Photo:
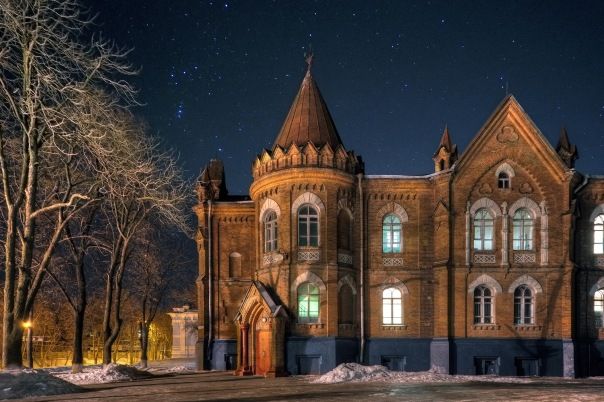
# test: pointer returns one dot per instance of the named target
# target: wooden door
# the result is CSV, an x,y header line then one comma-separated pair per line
x,y
263,352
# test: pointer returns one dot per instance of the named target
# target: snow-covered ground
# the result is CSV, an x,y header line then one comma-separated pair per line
x,y
22,384
359,373
59,380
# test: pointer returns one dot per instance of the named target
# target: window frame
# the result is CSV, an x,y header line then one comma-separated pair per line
x,y
271,231
527,225
481,301
389,230
598,231
504,181
390,301
481,223
524,305
598,306
306,220
308,295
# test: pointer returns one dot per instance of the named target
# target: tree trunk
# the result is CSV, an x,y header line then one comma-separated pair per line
x,y
13,357
144,343
78,333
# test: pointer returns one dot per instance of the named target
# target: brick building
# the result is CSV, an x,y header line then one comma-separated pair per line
x,y
494,263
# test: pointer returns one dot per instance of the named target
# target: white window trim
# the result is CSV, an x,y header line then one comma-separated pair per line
x,y
527,280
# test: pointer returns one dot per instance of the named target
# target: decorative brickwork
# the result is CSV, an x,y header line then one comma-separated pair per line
x,y
308,255
524,258
484,259
392,261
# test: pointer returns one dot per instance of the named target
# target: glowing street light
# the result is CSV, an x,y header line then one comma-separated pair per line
x,y
30,352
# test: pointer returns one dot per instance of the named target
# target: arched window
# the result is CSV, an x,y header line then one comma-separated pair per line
x,y
346,305
523,230
308,303
392,307
344,242
392,234
599,234
503,180
599,307
524,305
483,230
270,231
483,305
308,226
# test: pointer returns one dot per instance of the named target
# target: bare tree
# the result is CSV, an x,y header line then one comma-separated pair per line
x,y
148,187
45,69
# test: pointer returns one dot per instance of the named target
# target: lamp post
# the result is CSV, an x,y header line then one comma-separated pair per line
x,y
30,353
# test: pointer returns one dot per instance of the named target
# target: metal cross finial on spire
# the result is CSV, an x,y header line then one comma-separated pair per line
x,y
309,57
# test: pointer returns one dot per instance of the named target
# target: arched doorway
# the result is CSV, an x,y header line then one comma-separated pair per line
x,y
261,331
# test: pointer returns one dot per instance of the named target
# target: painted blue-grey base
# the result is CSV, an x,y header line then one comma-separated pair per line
x,y
439,355
399,354
224,354
509,357
318,355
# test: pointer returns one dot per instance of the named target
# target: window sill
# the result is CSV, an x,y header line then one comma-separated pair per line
x,y
599,260
310,254
525,257
272,257
393,327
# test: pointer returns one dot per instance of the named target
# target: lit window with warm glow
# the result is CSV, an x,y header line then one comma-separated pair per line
x,y
270,232
392,307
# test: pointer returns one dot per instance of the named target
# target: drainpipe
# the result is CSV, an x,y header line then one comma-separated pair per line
x,y
210,280
361,262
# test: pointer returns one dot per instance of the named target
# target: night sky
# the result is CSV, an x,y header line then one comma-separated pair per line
x,y
218,77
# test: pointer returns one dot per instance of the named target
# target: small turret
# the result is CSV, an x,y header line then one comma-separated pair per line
x,y
211,183
446,153
567,151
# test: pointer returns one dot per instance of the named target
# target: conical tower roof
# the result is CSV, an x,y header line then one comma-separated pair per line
x,y
308,119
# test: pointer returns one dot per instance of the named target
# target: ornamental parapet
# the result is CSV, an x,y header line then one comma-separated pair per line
x,y
307,156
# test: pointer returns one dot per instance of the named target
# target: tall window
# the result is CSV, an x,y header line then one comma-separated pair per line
x,y
599,307
483,230
523,305
483,305
599,234
308,302
270,231
308,226
391,234
523,230
503,180
392,307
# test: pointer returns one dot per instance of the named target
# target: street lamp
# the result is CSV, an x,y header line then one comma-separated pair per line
x,y
30,353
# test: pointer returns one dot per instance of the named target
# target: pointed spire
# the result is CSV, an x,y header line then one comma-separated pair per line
x,y
446,153
445,140
567,151
308,119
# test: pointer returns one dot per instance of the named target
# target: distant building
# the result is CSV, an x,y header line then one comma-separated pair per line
x,y
493,263
184,331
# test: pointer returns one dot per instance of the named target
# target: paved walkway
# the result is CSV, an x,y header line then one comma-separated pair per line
x,y
221,386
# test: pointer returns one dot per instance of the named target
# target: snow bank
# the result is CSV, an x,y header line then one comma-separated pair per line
x,y
180,369
27,383
109,373
358,373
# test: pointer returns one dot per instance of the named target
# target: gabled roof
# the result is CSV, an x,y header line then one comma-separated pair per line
x,y
266,297
510,106
308,119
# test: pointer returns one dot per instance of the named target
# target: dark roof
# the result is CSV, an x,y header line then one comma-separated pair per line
x,y
308,119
